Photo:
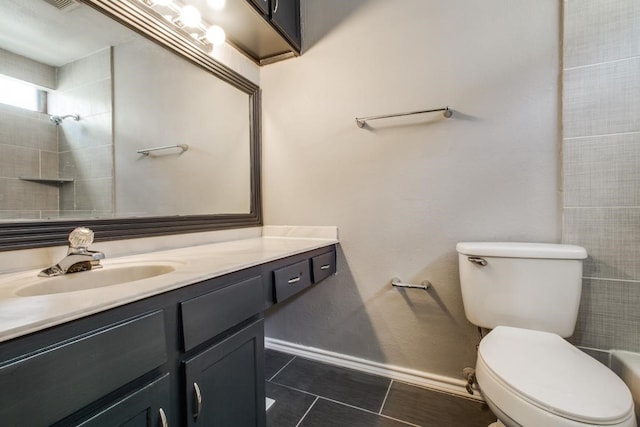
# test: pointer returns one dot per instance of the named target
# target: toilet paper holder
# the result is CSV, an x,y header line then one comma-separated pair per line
x,y
396,282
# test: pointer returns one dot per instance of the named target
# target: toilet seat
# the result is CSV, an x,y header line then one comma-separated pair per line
x,y
537,378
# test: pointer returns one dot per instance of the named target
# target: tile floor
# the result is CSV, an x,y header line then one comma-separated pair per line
x,y
310,394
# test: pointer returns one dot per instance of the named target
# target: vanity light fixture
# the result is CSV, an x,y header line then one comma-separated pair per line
x,y
188,18
215,35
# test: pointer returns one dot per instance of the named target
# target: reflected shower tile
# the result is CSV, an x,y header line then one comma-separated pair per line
x,y
48,164
26,195
86,70
87,163
19,161
89,131
94,195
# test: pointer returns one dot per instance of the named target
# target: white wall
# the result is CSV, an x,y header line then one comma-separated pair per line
x,y
405,191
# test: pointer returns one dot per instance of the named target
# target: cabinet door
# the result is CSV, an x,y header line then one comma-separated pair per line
x,y
51,384
263,5
225,383
285,14
145,407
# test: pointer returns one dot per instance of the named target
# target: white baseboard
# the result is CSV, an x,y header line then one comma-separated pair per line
x,y
410,376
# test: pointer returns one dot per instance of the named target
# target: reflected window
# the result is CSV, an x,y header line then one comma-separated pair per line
x,y
21,94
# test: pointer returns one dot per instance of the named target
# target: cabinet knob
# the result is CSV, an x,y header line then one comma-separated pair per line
x,y
163,418
198,396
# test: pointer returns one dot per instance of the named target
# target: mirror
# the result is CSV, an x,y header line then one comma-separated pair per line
x,y
152,137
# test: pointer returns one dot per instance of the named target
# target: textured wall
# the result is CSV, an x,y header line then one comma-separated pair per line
x,y
602,165
404,191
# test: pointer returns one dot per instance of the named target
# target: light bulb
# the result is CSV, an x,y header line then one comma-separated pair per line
x,y
216,4
190,16
215,35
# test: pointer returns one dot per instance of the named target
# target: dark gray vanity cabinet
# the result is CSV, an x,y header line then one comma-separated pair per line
x,y
53,380
284,15
225,382
145,407
289,276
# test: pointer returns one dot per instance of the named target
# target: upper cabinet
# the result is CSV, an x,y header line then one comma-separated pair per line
x,y
282,20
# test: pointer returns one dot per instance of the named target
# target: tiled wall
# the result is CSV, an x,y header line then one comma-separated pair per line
x,y
32,146
601,165
28,147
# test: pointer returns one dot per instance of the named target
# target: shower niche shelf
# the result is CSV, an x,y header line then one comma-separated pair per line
x,y
52,180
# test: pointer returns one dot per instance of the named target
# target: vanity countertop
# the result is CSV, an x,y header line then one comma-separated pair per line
x,y
23,315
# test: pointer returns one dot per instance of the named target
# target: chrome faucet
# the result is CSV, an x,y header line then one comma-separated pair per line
x,y
79,257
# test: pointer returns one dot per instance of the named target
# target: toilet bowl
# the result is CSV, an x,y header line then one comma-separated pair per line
x,y
534,378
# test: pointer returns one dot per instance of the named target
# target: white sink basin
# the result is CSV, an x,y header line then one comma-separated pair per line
x,y
107,276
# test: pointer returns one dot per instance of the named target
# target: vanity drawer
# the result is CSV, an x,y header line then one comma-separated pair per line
x,y
55,382
206,316
291,279
323,266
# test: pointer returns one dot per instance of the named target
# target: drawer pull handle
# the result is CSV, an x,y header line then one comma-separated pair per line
x,y
198,396
294,280
275,7
325,267
163,418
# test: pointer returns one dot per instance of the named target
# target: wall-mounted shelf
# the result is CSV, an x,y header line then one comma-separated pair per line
x,y
52,180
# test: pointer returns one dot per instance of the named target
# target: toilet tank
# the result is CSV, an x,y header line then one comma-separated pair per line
x,y
524,285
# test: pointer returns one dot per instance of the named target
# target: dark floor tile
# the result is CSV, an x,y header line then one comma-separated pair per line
x,y
344,385
431,408
330,414
290,405
274,361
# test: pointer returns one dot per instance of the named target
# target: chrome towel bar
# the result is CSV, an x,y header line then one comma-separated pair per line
x,y
146,151
362,121
396,282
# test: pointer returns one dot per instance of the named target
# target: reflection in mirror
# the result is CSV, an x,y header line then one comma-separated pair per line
x,y
105,93
155,86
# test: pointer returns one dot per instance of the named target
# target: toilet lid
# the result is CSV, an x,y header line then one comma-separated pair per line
x,y
554,375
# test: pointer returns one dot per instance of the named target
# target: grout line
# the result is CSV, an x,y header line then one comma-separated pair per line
x,y
368,411
385,397
293,388
601,207
574,138
343,404
611,280
280,370
308,410
577,67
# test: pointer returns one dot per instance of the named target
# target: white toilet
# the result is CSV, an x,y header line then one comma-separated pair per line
x,y
528,294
